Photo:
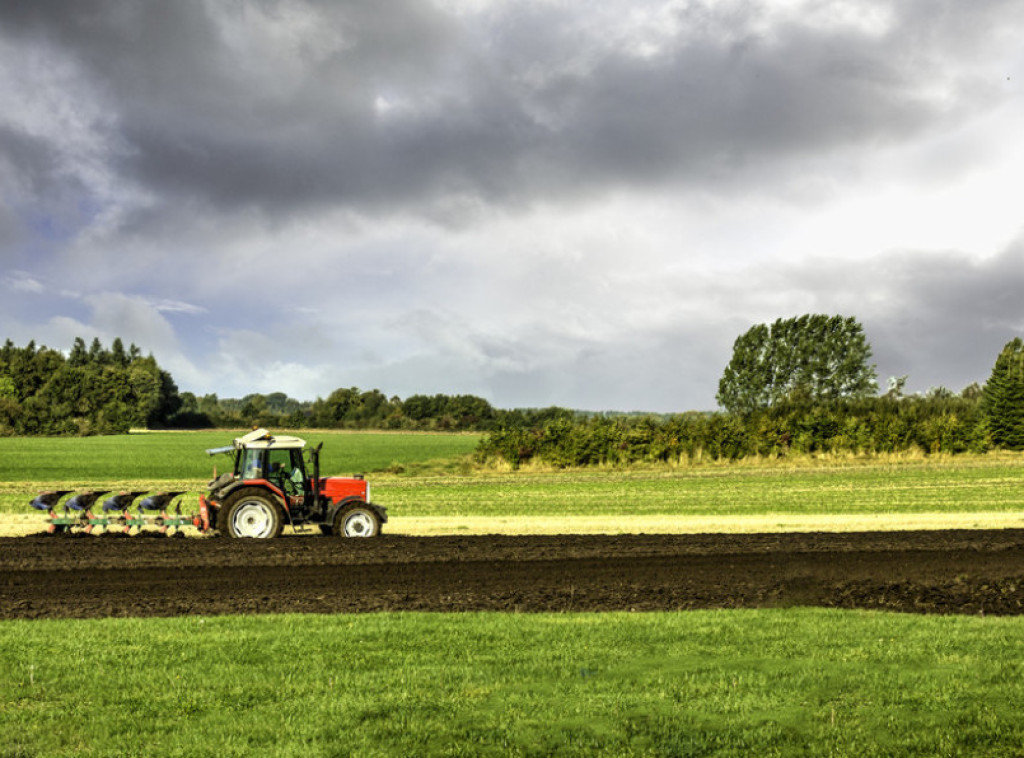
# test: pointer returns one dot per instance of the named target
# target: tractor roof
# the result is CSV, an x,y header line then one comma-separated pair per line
x,y
260,439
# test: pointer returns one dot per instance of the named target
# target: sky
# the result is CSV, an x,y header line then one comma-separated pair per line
x,y
541,202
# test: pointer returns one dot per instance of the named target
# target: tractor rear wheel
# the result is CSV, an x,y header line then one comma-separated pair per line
x,y
357,521
252,513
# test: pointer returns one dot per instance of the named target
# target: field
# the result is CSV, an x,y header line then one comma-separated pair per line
x,y
729,683
429,485
177,461
967,571
249,647
180,456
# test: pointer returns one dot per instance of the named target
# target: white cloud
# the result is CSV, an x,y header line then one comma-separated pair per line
x,y
22,281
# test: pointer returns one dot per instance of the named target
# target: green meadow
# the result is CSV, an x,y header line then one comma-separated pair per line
x,y
178,461
174,456
726,683
950,485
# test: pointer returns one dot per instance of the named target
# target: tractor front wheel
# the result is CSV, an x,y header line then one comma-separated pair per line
x,y
357,521
253,513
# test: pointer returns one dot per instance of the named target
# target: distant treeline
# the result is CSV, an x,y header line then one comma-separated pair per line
x,y
796,423
352,408
96,390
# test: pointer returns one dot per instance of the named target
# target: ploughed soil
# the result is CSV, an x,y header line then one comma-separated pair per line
x,y
87,576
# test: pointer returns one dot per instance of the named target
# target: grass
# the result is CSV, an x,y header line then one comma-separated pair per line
x,y
950,485
180,455
765,682
177,461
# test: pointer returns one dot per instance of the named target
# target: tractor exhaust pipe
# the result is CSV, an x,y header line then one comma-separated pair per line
x,y
318,505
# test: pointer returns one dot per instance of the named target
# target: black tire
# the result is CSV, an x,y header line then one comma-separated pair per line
x,y
327,529
252,513
357,521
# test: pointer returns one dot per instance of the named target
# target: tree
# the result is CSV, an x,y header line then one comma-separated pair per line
x,y
97,355
816,358
1002,400
79,356
118,356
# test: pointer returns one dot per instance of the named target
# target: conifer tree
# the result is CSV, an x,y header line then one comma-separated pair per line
x,y
1002,401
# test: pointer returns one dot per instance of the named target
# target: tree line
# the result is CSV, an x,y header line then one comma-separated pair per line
x,y
92,390
96,390
797,386
936,422
344,408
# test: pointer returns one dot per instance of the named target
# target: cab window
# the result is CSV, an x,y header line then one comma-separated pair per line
x,y
252,464
286,470
280,464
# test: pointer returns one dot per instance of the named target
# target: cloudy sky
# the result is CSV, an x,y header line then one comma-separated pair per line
x,y
536,201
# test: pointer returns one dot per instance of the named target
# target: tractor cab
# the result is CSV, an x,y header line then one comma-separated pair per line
x,y
282,465
260,457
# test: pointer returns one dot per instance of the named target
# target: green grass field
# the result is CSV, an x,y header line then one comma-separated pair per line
x,y
951,485
771,682
175,456
178,461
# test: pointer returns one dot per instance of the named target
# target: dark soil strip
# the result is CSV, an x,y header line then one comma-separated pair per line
x,y
962,571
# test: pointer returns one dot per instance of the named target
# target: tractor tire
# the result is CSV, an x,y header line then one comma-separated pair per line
x,y
252,513
357,521
326,529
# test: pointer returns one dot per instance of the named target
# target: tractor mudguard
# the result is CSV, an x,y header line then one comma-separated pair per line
x,y
276,492
341,505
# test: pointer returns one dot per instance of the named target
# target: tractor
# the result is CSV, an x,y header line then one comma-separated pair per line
x,y
272,483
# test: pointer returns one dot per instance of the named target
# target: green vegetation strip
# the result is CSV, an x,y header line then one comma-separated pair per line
x,y
769,682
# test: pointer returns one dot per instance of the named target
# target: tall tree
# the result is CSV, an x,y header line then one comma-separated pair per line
x,y
118,356
1002,400
78,356
97,355
817,358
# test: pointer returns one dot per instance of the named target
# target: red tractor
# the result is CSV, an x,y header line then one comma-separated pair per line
x,y
271,485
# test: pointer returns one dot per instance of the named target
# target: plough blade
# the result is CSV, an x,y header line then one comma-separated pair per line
x,y
122,501
47,501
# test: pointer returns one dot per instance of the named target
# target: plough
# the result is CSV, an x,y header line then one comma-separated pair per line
x,y
77,513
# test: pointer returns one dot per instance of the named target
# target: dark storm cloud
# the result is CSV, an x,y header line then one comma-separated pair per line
x,y
950,317
940,318
41,200
368,109
29,165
